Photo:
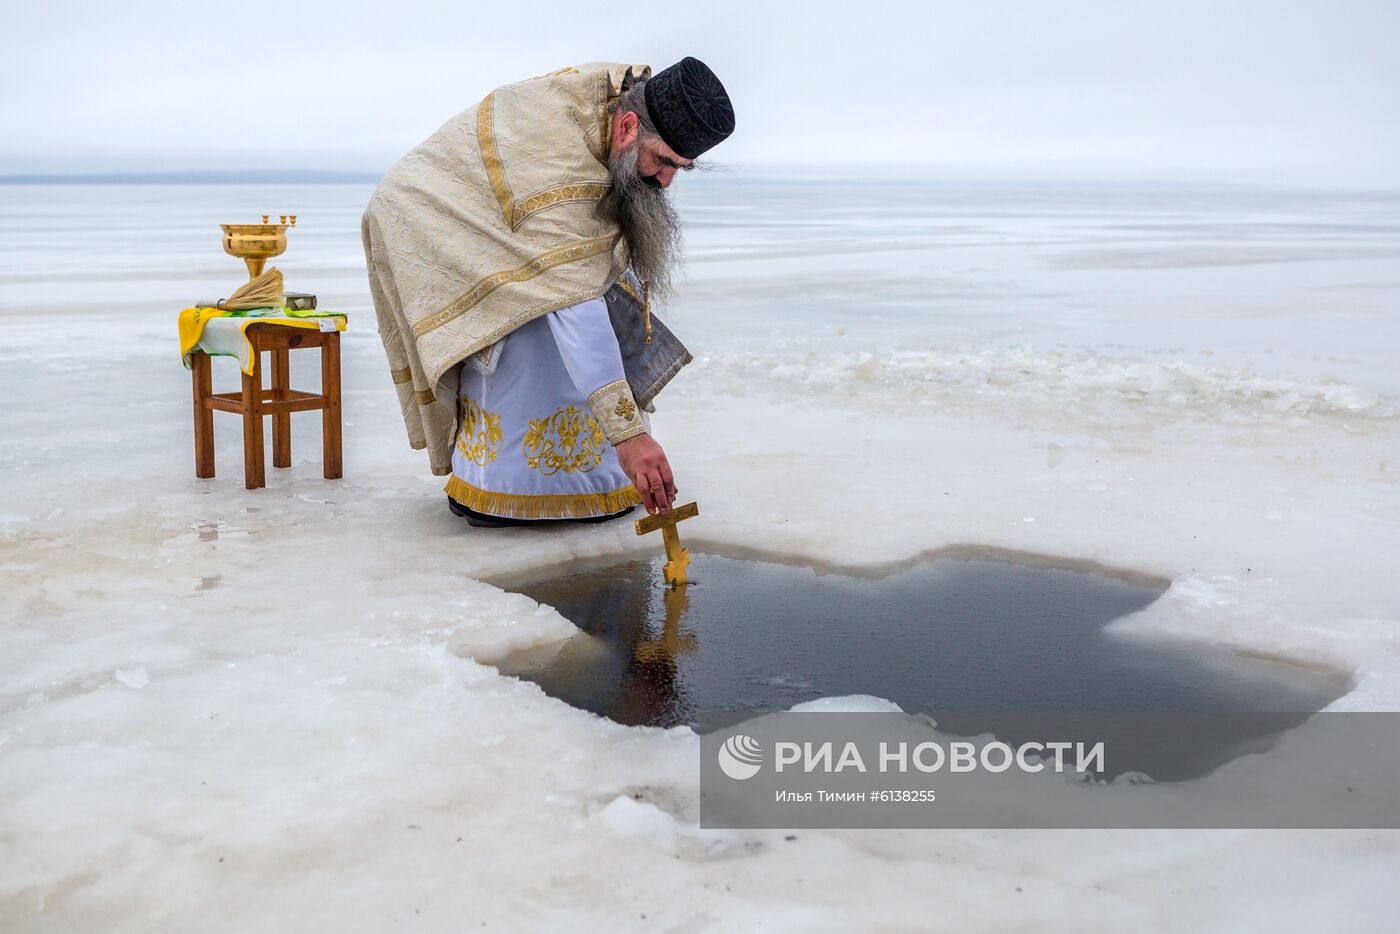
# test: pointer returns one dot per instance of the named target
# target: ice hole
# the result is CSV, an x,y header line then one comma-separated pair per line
x,y
961,638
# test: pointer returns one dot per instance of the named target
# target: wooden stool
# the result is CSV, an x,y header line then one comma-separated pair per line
x,y
280,402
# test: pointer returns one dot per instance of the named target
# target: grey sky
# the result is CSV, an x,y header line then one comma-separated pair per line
x,y
1282,91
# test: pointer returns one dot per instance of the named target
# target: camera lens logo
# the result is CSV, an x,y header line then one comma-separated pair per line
x,y
740,757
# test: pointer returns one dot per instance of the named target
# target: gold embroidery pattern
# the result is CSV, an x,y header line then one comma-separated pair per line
x,y
571,253
560,194
615,409
480,436
401,376
424,396
568,440
486,139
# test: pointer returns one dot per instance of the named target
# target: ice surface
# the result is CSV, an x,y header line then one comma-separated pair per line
x,y
851,703
1199,385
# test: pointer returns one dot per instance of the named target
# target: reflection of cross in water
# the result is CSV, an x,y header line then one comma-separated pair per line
x,y
673,642
676,557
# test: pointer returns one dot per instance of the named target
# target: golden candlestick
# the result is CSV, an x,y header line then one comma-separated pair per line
x,y
255,244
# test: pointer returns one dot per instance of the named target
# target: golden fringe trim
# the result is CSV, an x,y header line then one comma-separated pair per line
x,y
558,506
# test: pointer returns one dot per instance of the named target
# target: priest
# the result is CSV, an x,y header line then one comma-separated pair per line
x,y
515,261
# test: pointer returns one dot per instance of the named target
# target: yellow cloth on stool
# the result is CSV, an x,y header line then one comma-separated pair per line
x,y
192,326
232,339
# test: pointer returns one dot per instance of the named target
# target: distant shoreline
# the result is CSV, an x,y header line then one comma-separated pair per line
x,y
269,177
875,177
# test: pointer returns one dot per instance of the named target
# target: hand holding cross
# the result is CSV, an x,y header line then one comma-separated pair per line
x,y
677,558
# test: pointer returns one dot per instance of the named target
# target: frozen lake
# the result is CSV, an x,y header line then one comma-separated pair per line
x,y
254,706
959,638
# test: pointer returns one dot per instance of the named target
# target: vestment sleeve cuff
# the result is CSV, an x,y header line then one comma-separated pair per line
x,y
615,409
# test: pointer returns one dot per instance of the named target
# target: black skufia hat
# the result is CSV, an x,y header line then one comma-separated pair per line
x,y
689,107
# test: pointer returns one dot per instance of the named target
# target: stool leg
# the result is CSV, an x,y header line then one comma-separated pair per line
x,y
203,416
253,477
330,415
281,423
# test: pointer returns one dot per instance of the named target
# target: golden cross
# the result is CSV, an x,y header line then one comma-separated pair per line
x,y
676,557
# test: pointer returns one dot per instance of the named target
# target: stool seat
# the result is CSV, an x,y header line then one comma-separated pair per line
x,y
279,401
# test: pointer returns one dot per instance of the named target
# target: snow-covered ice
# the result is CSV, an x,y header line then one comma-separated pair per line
x,y
234,710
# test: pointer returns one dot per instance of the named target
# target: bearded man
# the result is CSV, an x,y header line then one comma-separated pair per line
x,y
514,257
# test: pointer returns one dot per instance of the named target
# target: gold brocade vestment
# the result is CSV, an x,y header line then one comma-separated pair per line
x,y
489,223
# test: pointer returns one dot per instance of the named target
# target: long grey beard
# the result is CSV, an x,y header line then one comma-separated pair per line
x,y
648,220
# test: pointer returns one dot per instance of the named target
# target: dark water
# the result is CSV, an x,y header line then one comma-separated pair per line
x,y
950,635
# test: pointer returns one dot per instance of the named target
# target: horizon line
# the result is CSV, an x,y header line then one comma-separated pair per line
x,y
835,172
189,177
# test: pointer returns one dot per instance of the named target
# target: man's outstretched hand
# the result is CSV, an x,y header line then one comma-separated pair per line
x,y
645,463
